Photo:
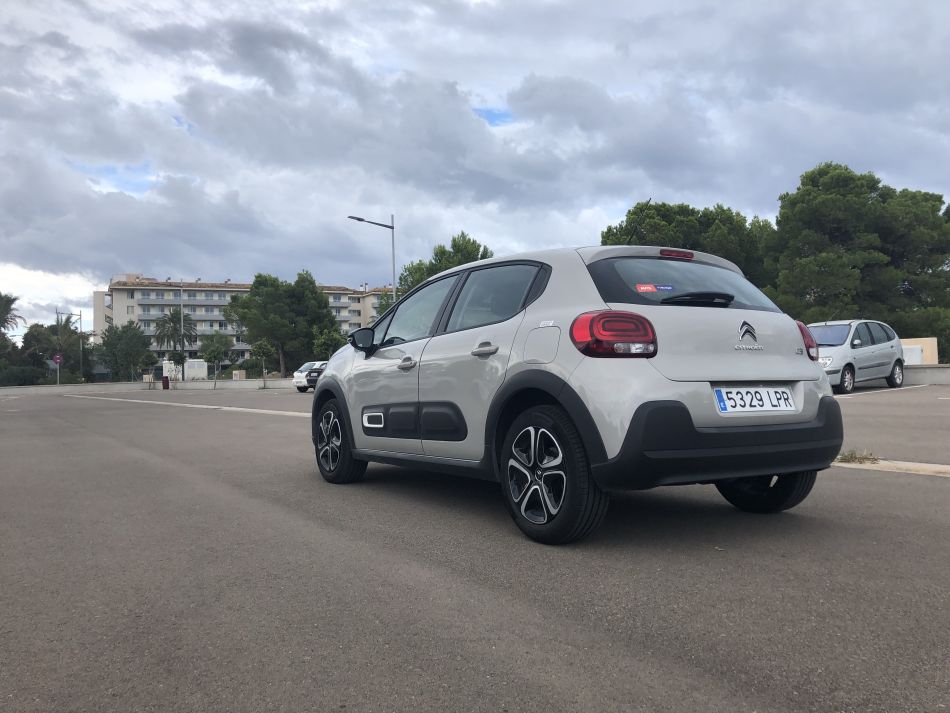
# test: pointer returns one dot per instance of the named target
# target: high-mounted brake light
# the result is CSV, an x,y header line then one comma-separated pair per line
x,y
681,254
613,334
811,346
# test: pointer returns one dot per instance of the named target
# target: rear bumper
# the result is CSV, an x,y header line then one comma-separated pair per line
x,y
663,447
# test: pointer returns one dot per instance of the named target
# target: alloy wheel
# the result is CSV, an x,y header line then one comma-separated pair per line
x,y
898,374
848,380
329,441
536,478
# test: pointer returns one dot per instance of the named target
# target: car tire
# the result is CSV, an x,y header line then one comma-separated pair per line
x,y
546,479
302,389
768,493
332,446
847,381
896,379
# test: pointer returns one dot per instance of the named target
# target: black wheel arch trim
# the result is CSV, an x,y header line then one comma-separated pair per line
x,y
562,393
328,388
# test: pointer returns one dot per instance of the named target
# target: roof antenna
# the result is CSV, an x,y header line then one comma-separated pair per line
x,y
635,228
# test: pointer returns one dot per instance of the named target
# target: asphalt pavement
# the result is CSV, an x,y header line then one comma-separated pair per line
x,y
159,558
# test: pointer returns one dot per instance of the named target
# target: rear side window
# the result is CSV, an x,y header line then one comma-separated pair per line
x,y
891,334
864,334
653,281
877,331
491,295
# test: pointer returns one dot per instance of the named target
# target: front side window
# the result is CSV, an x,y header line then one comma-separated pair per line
x,y
415,317
379,329
864,334
491,295
656,281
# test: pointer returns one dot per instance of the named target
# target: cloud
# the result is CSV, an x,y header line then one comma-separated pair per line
x,y
213,139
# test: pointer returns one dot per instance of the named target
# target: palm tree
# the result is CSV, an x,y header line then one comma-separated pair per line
x,y
9,318
168,330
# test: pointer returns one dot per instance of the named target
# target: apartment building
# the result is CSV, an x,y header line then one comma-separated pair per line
x,y
353,308
144,300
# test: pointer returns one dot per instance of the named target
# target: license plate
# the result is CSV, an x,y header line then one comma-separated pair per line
x,y
738,400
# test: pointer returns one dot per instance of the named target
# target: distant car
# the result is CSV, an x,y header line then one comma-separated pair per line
x,y
314,373
300,376
854,350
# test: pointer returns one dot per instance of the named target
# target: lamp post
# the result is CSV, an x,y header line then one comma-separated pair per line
x,y
72,314
392,232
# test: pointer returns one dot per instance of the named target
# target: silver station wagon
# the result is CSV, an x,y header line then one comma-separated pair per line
x,y
854,350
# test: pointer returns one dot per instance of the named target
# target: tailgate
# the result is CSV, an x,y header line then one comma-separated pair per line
x,y
726,345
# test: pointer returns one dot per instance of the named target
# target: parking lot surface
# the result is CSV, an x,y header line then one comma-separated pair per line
x,y
160,557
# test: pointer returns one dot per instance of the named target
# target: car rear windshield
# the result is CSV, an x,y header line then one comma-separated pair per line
x,y
646,280
829,335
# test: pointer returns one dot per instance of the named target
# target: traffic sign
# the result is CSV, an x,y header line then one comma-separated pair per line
x,y
57,359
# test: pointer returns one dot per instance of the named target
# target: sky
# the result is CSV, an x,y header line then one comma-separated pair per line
x,y
218,140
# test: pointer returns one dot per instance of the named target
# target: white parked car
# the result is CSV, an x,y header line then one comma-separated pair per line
x,y
300,376
569,374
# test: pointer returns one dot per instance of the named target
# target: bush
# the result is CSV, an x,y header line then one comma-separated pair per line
x,y
21,376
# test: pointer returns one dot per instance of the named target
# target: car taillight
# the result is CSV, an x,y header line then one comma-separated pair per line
x,y
613,334
811,346
681,254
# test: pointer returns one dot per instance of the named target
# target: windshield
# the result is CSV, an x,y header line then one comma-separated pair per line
x,y
308,365
829,335
644,280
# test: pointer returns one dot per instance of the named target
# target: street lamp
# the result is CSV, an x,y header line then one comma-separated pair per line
x,y
72,314
392,231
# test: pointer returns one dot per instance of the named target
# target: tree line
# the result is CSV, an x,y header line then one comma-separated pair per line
x,y
843,245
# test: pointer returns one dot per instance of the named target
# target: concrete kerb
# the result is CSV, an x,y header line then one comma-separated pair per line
x,y
125,386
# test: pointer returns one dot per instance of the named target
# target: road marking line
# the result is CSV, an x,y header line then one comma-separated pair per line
x,y
266,412
901,466
883,391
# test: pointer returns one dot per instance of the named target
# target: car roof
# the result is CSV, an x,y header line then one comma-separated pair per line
x,y
593,253
833,322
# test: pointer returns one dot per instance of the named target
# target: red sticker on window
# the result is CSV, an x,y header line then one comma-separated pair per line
x,y
646,288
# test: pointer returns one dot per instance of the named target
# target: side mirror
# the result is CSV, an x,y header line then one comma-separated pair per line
x,y
855,343
362,339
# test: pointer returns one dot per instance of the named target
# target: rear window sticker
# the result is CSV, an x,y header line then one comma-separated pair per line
x,y
646,288
665,288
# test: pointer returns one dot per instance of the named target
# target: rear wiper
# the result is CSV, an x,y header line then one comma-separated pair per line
x,y
723,299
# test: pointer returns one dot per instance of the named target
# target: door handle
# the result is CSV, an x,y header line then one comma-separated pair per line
x,y
406,364
484,349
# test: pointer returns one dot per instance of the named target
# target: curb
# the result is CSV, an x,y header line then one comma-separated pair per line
x,y
900,466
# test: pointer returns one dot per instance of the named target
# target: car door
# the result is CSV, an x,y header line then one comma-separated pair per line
x,y
863,354
884,350
383,385
465,363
